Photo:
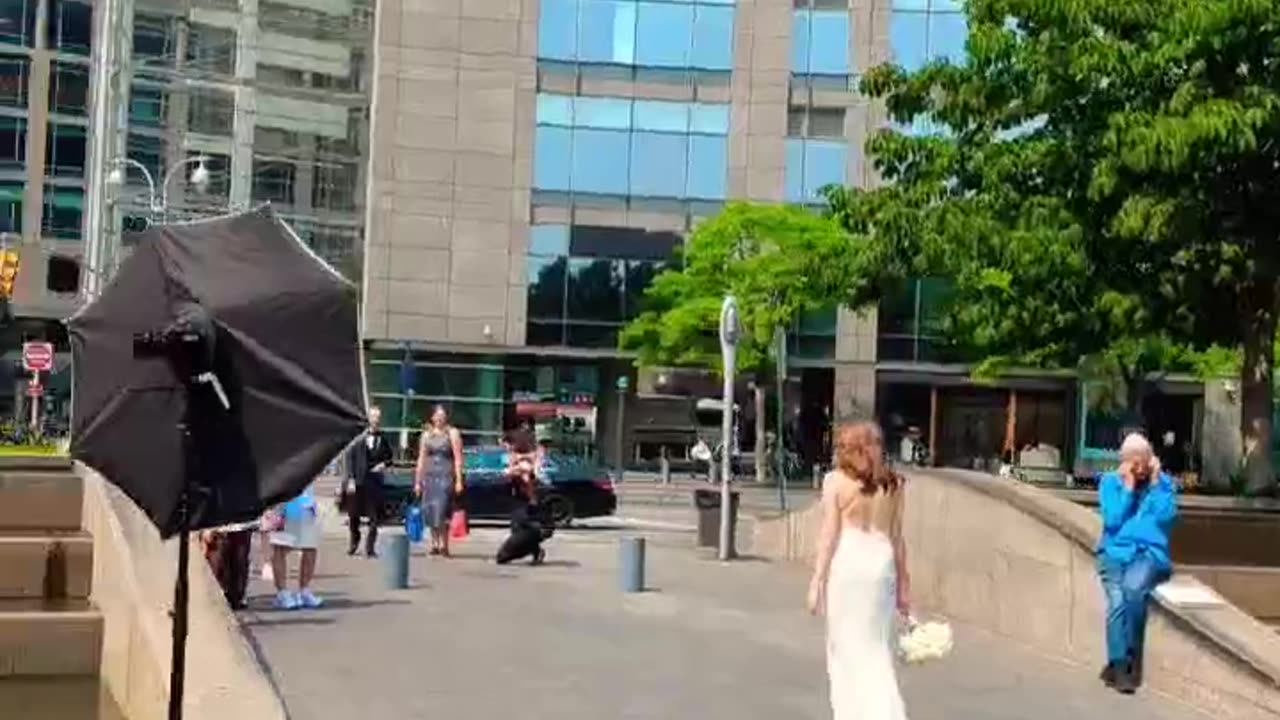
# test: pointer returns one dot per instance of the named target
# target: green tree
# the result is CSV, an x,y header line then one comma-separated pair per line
x,y
1118,160
778,261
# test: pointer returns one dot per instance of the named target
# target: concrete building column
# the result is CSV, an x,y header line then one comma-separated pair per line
x,y
246,106
759,93
37,128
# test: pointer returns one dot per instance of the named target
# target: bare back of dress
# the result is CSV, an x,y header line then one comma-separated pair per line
x,y
861,610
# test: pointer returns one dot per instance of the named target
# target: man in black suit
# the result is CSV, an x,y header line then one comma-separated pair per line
x,y
368,461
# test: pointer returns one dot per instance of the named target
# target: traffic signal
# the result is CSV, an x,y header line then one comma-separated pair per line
x,y
8,272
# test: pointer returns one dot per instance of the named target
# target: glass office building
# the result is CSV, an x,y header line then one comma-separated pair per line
x,y
535,164
273,94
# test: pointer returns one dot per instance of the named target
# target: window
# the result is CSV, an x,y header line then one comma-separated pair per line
x,y
273,181
13,82
148,105
71,26
63,275
18,21
335,186
63,211
619,146
152,38
148,150
11,207
812,165
814,335
910,322
820,42
69,89
211,49
13,143
65,150
805,121
585,281
921,31
648,33
212,111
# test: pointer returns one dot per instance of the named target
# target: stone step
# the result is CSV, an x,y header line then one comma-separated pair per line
x,y
40,501
57,699
40,638
45,565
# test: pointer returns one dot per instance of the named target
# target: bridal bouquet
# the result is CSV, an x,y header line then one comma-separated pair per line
x,y
922,642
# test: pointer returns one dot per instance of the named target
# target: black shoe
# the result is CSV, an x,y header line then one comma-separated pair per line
x,y
1126,681
1108,675
351,551
371,554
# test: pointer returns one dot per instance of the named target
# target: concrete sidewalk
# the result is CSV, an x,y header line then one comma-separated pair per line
x,y
559,642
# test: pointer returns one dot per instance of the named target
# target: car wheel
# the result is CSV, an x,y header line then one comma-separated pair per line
x,y
560,510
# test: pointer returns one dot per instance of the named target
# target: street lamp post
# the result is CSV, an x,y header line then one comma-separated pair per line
x,y
729,352
159,203
97,264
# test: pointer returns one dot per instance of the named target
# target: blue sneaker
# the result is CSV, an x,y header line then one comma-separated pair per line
x,y
309,600
285,600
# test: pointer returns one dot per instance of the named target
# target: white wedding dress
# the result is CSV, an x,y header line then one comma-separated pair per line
x,y
861,627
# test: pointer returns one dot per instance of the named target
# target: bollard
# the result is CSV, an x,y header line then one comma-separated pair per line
x,y
665,468
817,477
631,564
395,560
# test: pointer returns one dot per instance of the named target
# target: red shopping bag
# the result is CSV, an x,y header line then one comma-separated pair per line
x,y
458,524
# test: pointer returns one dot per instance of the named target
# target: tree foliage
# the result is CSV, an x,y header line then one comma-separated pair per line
x,y
779,261
1113,167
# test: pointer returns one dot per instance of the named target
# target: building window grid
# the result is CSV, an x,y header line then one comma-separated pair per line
x,y
69,89
21,26
640,134
13,82
921,31
820,42
13,143
644,33
569,300
910,323
65,150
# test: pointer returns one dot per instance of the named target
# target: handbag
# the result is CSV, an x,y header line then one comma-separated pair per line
x,y
413,524
458,525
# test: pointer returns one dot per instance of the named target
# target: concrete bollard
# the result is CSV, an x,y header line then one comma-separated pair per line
x,y
817,477
665,469
395,559
631,564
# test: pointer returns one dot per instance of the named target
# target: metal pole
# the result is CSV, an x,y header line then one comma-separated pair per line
x,y
729,349
35,403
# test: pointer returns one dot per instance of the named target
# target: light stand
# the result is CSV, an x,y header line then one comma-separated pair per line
x,y
181,584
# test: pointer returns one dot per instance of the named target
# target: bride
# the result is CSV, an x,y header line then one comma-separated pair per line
x,y
860,576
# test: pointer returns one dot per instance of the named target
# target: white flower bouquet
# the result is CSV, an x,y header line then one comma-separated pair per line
x,y
921,642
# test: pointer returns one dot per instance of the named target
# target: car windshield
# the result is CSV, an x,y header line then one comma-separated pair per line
x,y
482,459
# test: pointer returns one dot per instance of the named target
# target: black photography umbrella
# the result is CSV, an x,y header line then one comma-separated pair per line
x,y
217,374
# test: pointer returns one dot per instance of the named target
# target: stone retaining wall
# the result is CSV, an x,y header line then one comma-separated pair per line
x,y
1017,561
133,587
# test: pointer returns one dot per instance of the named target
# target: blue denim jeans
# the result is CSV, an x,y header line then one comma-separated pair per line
x,y
1128,587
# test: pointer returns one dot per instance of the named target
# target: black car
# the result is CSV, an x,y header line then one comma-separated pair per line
x,y
569,488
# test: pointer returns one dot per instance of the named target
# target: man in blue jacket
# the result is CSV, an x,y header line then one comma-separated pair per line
x,y
1138,503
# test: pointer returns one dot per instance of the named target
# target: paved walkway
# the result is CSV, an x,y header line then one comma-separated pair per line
x,y
710,641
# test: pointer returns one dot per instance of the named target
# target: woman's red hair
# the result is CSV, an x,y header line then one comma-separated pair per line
x,y
859,454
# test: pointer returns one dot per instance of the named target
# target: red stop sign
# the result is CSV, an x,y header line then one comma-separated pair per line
x,y
37,356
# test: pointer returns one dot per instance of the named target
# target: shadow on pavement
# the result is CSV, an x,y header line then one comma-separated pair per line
x,y
282,620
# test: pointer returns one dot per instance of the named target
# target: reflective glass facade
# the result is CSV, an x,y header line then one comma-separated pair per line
x,y
925,30
631,147
820,42
812,164
659,34
585,282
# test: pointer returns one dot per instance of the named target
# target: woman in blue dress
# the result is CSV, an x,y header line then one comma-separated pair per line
x,y
438,476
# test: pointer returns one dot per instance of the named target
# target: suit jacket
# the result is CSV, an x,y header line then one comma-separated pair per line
x,y
362,459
